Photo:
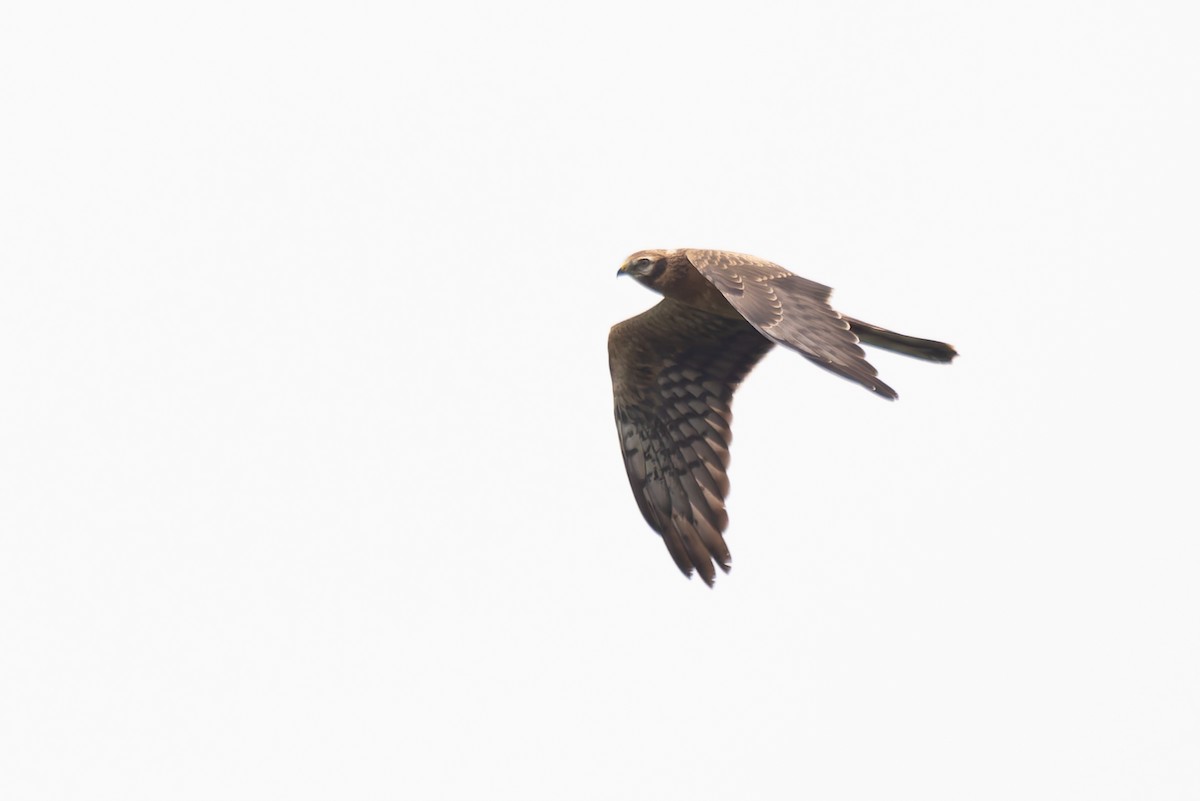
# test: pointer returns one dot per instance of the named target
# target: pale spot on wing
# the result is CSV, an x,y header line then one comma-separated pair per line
x,y
790,310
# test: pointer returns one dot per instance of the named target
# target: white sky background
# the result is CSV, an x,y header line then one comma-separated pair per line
x,y
310,485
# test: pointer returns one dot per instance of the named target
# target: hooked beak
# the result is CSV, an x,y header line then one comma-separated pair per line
x,y
621,269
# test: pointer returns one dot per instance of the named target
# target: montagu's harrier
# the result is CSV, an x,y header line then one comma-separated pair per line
x,y
675,367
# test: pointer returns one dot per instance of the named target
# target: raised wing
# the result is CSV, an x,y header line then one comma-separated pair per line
x,y
674,371
790,310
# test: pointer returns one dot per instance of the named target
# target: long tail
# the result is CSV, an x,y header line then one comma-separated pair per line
x,y
927,349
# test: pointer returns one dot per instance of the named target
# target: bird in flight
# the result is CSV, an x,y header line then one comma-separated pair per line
x,y
675,368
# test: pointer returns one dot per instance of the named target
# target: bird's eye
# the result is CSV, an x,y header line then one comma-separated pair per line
x,y
642,263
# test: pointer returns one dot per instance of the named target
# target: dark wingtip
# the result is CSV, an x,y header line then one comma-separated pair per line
x,y
709,576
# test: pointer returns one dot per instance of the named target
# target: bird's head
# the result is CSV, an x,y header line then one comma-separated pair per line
x,y
645,266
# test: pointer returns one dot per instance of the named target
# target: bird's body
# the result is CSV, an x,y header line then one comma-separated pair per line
x,y
675,368
680,281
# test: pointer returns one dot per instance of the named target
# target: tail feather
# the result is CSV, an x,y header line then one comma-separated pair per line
x,y
928,349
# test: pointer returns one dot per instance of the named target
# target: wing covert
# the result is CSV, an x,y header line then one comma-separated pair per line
x,y
791,310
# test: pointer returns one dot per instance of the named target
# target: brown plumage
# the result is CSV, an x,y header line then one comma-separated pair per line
x,y
675,368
